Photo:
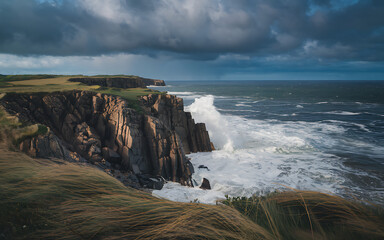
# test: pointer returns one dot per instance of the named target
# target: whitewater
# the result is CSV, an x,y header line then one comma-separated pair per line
x,y
258,155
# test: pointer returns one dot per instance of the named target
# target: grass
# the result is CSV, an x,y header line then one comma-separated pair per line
x,y
38,84
41,199
312,215
13,131
118,75
43,85
5,80
30,132
8,124
130,94
10,78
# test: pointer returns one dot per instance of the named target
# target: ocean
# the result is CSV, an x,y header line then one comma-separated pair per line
x,y
325,136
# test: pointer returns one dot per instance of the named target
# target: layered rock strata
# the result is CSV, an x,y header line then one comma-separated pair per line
x,y
120,82
103,130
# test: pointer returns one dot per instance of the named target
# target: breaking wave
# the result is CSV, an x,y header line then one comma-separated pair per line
x,y
260,156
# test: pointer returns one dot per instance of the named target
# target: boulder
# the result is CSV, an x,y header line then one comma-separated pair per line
x,y
152,182
203,167
205,184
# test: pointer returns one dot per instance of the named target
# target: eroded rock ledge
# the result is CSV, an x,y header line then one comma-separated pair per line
x,y
119,82
103,130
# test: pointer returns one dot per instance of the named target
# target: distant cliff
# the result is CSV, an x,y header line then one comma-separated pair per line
x,y
102,129
119,82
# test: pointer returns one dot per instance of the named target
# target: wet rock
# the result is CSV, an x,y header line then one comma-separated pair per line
x,y
205,184
203,167
152,182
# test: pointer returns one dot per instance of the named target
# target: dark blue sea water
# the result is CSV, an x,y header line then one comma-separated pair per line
x,y
314,135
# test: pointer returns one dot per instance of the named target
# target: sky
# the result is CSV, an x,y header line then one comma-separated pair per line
x,y
195,39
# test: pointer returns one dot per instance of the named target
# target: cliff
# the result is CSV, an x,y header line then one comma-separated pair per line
x,y
102,130
170,111
119,82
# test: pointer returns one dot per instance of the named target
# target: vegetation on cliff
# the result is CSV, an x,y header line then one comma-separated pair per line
x,y
45,83
53,83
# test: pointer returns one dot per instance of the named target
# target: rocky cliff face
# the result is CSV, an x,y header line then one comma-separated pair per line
x,y
103,130
170,111
120,82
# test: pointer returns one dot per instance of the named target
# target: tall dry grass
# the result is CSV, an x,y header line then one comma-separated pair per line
x,y
57,200
298,214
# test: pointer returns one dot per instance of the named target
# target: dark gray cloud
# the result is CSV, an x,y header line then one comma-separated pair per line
x,y
206,29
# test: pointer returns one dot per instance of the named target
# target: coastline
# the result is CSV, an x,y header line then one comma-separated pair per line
x,y
39,194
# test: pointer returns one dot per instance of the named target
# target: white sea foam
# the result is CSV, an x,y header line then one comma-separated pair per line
x,y
237,110
259,156
340,113
176,192
374,114
204,111
242,105
299,106
361,126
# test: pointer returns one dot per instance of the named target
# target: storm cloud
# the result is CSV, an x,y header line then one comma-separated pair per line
x,y
204,29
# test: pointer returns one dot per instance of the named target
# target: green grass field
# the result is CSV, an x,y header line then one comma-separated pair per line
x,y
55,83
52,199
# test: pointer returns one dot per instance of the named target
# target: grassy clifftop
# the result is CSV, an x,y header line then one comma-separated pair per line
x,y
52,199
54,83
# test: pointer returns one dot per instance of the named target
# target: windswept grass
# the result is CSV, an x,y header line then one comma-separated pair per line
x,y
40,199
312,215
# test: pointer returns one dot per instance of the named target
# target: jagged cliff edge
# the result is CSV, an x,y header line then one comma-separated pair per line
x,y
101,129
